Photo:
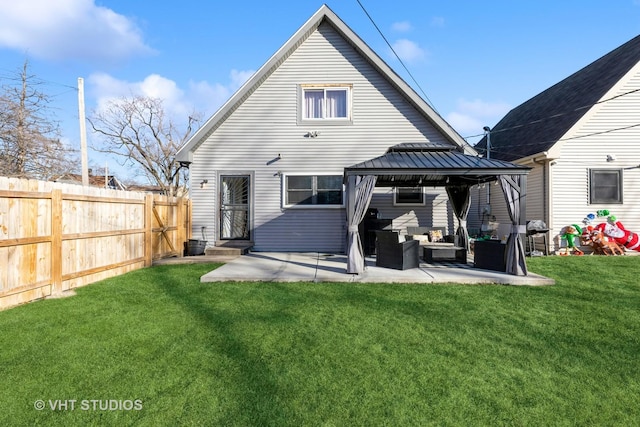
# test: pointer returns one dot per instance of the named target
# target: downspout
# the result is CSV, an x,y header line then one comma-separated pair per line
x,y
545,163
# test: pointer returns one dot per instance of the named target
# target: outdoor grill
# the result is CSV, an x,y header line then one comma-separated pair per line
x,y
536,228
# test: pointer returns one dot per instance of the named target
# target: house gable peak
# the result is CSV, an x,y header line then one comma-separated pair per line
x,y
322,15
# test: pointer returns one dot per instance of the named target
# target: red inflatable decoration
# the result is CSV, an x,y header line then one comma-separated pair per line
x,y
616,231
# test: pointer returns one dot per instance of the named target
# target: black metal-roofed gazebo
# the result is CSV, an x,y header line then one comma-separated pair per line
x,y
436,165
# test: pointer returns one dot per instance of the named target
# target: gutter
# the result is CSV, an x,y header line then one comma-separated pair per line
x,y
535,158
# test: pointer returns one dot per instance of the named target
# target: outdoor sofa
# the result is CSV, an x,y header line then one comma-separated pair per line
x,y
436,245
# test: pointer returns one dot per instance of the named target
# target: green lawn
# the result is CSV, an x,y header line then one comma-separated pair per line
x,y
292,354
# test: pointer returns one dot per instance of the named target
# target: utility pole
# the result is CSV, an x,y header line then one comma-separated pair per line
x,y
487,131
83,133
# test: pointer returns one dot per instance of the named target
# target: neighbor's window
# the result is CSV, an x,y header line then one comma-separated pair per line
x,y
605,185
331,102
409,196
310,190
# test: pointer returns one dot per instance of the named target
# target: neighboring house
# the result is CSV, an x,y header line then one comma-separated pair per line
x,y
101,181
581,138
268,167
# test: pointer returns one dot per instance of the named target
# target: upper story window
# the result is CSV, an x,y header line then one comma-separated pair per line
x,y
326,102
605,185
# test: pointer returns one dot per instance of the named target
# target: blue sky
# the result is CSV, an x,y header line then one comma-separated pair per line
x,y
474,60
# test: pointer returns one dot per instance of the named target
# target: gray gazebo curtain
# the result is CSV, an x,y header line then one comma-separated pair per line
x,y
359,191
514,187
460,198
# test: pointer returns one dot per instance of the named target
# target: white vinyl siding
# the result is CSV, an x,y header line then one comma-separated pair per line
x,y
436,211
263,135
536,207
537,193
608,129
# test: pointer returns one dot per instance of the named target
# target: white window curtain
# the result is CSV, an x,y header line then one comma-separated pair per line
x,y
313,100
359,193
336,103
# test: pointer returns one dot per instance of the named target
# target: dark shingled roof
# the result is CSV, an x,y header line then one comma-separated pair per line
x,y
539,123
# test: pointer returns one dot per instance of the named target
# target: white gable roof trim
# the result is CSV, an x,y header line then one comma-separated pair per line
x,y
323,14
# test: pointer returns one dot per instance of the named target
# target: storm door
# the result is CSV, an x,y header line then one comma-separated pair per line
x,y
234,207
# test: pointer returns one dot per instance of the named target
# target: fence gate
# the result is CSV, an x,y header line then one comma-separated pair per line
x,y
234,207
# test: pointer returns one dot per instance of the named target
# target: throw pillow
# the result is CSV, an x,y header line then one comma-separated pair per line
x,y
436,235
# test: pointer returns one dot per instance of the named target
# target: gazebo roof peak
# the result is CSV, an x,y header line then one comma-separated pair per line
x,y
420,147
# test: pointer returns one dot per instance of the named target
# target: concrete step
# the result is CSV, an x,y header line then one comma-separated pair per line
x,y
223,251
229,248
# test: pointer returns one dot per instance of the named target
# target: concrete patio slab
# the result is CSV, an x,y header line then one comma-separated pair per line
x,y
320,267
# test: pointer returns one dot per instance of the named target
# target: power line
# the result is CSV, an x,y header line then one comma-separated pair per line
x,y
398,57
533,122
15,75
533,144
493,150
406,69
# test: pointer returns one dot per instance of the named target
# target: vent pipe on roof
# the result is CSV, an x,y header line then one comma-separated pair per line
x,y
487,132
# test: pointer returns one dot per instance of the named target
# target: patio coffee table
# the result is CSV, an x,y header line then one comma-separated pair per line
x,y
443,252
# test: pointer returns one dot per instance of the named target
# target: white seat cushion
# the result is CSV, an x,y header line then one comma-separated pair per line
x,y
423,239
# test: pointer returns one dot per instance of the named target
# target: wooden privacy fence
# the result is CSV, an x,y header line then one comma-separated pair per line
x,y
55,237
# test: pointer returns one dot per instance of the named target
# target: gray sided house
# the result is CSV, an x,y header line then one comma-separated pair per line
x,y
270,166
580,137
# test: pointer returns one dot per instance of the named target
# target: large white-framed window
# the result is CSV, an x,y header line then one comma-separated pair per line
x,y
605,186
409,196
325,102
313,191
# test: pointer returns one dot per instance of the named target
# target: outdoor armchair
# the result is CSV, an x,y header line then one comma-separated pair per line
x,y
392,251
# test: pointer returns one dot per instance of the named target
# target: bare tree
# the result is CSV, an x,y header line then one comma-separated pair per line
x,y
136,130
30,145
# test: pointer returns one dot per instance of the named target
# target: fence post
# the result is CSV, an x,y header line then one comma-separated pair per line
x,y
188,225
181,229
56,241
148,226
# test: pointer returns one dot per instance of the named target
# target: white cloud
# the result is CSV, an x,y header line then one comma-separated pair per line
x,y
239,77
202,97
471,116
402,27
465,124
409,51
69,29
208,97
